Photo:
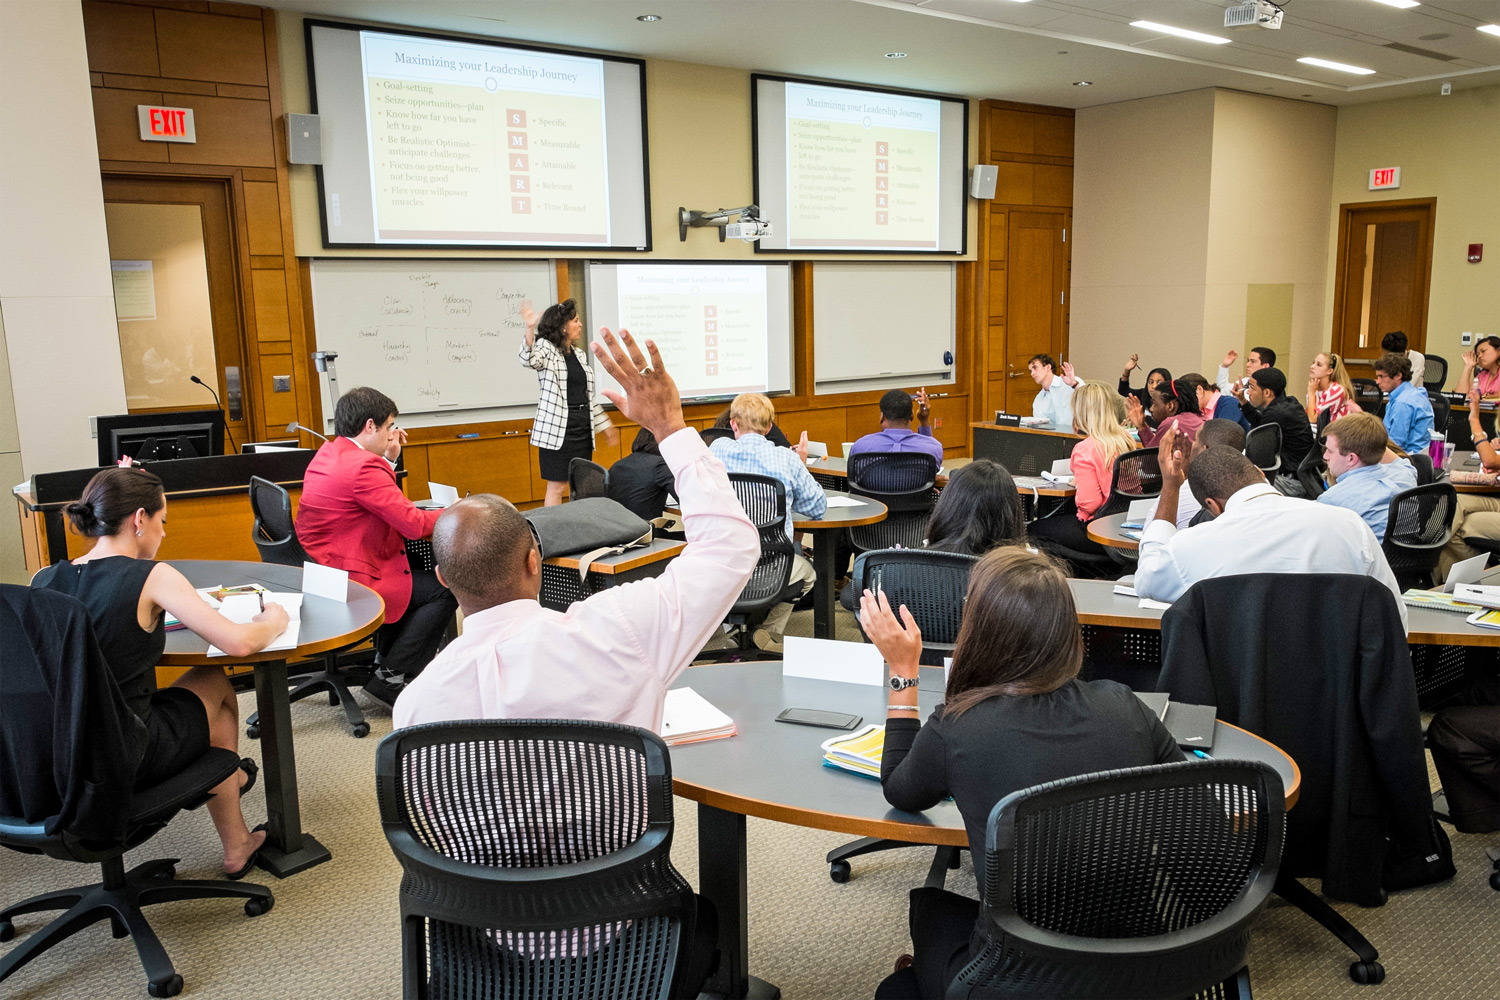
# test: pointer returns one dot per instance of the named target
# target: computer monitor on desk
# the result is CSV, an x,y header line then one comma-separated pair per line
x,y
159,436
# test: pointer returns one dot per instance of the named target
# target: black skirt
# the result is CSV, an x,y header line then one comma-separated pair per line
x,y
176,735
578,442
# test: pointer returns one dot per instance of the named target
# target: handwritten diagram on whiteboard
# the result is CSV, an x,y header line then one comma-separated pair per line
x,y
438,337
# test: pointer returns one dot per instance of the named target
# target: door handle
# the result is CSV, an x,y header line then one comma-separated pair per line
x,y
232,392
1015,374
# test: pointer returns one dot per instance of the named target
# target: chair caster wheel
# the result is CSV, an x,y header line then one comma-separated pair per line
x,y
1367,973
1494,884
360,731
7,930
252,732
166,874
257,907
168,987
839,871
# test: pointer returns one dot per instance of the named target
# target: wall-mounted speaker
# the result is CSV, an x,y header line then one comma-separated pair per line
x,y
982,181
304,140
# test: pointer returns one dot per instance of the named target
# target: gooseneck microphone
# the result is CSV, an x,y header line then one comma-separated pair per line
x,y
221,410
294,427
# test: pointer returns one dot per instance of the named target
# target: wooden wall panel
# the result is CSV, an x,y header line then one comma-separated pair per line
x,y
280,407
121,38
1013,183
1011,131
496,465
215,47
1054,135
229,131
270,306
1054,185
118,128
262,218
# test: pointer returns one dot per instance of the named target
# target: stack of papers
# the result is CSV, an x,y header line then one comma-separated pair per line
x,y
242,607
1485,619
1485,597
687,717
845,502
858,753
1437,601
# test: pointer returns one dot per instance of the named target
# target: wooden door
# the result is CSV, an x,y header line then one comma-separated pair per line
x,y
1383,276
176,297
1036,298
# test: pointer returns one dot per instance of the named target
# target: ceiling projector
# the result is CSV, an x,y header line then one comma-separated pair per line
x,y
1261,13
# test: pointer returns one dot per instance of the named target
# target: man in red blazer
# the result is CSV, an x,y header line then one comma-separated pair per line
x,y
354,517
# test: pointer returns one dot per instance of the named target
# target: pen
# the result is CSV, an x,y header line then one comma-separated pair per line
x,y
262,597
1201,755
467,437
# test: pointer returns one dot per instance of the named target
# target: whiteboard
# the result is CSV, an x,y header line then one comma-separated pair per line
x,y
882,325
440,337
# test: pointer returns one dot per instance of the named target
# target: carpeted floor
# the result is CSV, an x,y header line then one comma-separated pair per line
x,y
334,930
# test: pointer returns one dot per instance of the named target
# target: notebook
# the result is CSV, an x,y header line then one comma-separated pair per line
x,y
687,717
1192,726
858,753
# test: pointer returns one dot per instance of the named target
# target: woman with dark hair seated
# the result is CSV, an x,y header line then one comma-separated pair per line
x,y
128,597
977,511
1173,404
1015,715
1154,377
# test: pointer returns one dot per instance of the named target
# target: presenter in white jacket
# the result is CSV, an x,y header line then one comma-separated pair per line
x,y
568,413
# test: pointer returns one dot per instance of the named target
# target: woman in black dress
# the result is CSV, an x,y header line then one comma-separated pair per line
x,y
128,597
567,413
1015,715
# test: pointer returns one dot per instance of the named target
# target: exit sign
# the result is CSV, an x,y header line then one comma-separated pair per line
x,y
166,124
1382,178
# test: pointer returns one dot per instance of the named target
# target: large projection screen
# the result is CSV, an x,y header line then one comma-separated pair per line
x,y
842,168
435,141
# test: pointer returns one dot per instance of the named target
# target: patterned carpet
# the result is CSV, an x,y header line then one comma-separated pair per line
x,y
334,931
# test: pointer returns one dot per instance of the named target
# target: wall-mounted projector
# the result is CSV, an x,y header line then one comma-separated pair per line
x,y
1260,13
747,231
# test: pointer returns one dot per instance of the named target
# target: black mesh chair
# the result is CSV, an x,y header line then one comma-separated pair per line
x,y
275,538
1442,410
931,585
764,500
1310,473
1422,462
1368,395
1419,524
1128,884
587,479
712,434
1263,448
904,482
1137,476
536,861
1434,373
30,683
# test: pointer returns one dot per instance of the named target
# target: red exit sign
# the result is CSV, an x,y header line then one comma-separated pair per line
x,y
1382,178
166,124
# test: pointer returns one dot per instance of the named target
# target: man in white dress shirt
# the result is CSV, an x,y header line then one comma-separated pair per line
x,y
1255,529
1054,403
611,657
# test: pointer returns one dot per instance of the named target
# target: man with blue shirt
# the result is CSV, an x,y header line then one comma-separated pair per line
x,y
750,416
1354,448
1408,411
895,434
1054,403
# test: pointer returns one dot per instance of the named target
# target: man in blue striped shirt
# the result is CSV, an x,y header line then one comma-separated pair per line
x,y
750,416
1354,448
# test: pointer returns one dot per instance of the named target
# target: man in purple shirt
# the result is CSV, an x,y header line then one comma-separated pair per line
x,y
895,432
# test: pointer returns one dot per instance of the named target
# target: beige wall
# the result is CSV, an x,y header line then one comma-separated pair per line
x,y
1448,148
1272,173
1141,195
12,559
55,292
698,131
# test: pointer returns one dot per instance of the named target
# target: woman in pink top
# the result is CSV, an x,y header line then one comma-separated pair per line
x,y
1173,404
1482,367
1329,388
1093,464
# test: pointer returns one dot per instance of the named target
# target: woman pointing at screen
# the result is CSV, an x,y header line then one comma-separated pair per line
x,y
568,414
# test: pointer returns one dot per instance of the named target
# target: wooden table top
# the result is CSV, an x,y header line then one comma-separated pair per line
x,y
867,512
1106,531
326,624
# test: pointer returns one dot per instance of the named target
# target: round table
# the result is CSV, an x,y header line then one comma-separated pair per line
x,y
774,771
825,551
326,625
1106,531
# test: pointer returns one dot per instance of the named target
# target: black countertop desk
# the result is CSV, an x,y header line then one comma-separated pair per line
x,y
774,771
326,625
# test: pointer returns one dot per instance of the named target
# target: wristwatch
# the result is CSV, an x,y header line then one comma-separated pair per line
x,y
902,683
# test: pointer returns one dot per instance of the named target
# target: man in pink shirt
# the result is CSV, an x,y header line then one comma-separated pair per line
x,y
611,657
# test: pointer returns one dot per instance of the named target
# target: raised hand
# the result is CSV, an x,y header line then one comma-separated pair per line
x,y
650,396
1469,359
1133,363
900,646
1237,390
1230,358
924,409
801,447
1171,456
1134,412
1067,373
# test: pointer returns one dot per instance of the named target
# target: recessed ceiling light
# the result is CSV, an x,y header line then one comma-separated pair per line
x,y
1403,4
1493,29
1341,67
1167,29
895,55
648,17
1084,83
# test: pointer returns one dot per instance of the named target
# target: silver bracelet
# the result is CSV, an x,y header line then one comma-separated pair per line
x,y
903,708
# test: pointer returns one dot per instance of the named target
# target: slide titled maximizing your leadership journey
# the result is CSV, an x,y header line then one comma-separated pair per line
x,y
474,146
